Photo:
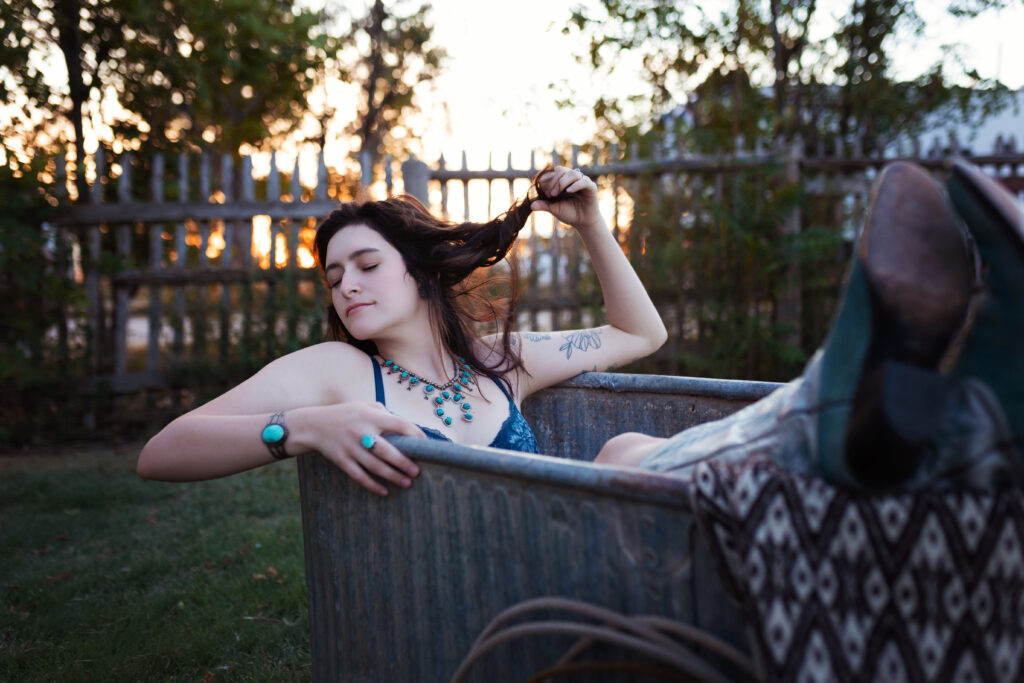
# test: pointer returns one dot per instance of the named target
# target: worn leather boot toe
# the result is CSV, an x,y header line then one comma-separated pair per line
x,y
906,299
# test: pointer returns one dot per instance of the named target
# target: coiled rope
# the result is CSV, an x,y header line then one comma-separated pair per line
x,y
648,635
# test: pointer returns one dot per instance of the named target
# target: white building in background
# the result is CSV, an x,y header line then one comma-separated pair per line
x,y
1001,132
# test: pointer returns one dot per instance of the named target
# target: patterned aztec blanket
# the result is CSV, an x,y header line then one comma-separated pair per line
x,y
836,585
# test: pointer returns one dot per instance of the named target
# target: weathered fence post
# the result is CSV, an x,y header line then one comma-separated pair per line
x,y
180,262
320,191
555,247
416,178
389,181
229,183
123,244
444,188
97,315
465,189
156,258
251,265
790,301
64,263
365,169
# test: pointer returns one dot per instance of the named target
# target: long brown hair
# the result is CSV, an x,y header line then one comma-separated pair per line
x,y
444,258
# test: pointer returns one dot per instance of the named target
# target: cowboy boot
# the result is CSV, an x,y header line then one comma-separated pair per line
x,y
993,350
880,392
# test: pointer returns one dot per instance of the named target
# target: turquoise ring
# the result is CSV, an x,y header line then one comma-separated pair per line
x,y
369,441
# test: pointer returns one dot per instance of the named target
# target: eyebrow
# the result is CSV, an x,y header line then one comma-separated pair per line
x,y
354,255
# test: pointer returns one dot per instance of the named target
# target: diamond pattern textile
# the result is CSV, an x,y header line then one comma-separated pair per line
x,y
836,585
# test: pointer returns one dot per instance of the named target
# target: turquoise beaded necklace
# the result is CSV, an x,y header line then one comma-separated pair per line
x,y
453,390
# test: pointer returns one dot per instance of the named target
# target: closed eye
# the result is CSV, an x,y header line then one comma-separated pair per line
x,y
368,268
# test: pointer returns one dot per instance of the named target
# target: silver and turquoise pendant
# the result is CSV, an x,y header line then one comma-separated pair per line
x,y
452,391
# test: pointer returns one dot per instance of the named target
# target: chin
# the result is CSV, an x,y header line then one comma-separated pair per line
x,y
363,330
353,331
358,333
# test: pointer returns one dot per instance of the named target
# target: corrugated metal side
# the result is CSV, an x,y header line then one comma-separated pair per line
x,y
574,419
399,588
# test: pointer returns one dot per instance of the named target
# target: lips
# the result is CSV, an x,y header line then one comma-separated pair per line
x,y
353,308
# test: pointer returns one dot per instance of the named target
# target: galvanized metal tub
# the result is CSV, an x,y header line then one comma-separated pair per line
x,y
399,588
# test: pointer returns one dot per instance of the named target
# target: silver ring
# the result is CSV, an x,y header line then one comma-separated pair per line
x,y
368,441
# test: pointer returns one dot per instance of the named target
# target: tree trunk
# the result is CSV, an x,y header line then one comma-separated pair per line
x,y
69,37
779,59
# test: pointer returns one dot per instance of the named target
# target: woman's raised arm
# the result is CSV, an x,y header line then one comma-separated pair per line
x,y
224,436
635,328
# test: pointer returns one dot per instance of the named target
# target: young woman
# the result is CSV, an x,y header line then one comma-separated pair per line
x,y
407,359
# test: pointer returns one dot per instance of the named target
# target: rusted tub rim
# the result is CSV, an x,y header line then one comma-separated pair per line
x,y
729,389
607,480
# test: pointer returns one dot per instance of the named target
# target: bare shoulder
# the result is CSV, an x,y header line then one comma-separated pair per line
x,y
334,351
322,374
339,370
325,356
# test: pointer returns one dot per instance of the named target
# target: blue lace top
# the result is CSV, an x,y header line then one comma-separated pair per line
x,y
515,433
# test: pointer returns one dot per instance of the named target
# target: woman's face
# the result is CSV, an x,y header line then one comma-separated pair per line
x,y
371,289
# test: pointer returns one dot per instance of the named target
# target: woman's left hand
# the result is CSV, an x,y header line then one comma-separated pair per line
x,y
579,209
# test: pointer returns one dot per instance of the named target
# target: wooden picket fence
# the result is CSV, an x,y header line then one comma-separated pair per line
x,y
164,247
210,301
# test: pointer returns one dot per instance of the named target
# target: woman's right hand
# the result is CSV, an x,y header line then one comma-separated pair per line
x,y
578,205
336,432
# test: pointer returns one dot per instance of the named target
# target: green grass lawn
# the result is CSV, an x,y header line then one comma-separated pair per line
x,y
106,577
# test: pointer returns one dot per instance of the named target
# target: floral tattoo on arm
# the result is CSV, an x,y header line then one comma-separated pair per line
x,y
582,340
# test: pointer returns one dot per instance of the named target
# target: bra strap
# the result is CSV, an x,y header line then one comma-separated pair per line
x,y
378,381
501,385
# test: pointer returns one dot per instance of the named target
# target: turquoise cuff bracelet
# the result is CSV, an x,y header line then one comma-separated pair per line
x,y
274,435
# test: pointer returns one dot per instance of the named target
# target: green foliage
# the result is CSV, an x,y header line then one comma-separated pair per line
x,y
108,577
26,265
237,69
710,252
18,72
211,72
725,107
820,87
36,296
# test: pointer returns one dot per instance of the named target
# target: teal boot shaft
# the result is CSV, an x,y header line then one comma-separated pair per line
x,y
842,364
994,349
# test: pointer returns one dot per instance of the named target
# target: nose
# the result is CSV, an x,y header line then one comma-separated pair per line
x,y
350,283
